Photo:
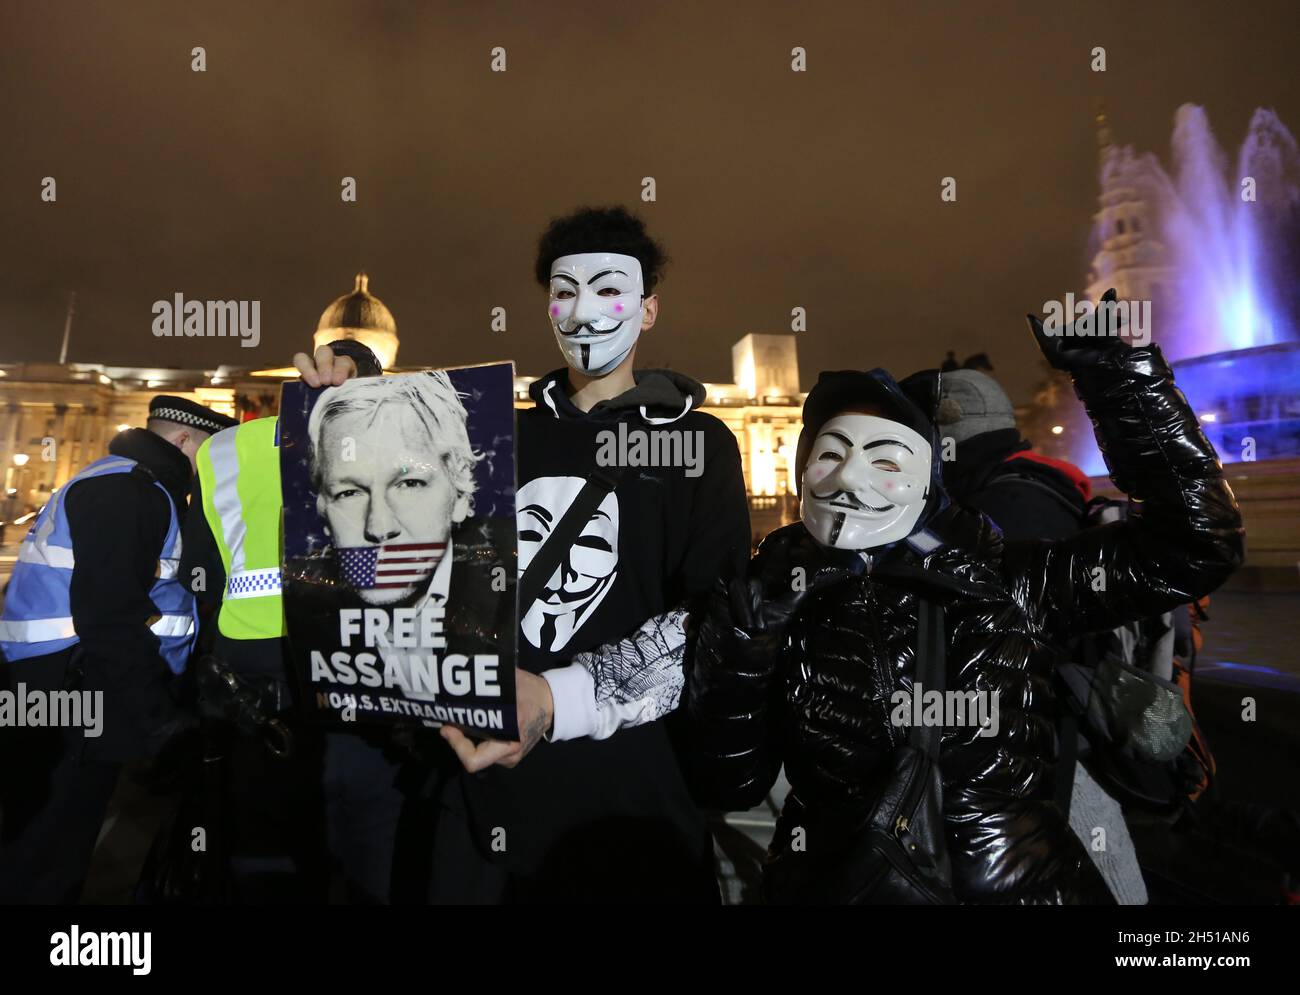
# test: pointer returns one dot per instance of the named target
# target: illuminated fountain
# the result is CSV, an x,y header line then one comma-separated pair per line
x,y
1217,252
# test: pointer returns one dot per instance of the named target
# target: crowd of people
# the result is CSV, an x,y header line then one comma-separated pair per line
x,y
666,670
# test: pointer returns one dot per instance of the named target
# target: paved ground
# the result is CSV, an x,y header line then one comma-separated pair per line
x,y
1252,630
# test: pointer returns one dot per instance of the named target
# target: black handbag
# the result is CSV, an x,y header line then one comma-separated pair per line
x,y
897,855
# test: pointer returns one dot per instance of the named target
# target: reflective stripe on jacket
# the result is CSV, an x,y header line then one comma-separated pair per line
x,y
38,610
239,477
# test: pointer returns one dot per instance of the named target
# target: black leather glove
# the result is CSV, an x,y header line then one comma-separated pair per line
x,y
1072,353
789,566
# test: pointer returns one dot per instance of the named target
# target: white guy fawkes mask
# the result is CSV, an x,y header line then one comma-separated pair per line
x,y
596,309
865,483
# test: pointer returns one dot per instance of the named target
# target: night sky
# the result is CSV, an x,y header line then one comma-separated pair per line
x,y
775,188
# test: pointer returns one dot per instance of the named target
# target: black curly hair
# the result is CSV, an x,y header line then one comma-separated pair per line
x,y
600,229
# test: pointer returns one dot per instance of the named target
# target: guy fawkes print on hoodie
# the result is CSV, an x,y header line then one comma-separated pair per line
x,y
587,570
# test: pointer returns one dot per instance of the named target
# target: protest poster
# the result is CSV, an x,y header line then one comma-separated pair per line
x,y
400,547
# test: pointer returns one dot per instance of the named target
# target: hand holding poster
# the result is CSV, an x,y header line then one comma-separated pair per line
x,y
400,546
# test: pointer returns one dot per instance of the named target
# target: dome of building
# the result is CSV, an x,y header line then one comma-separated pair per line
x,y
362,316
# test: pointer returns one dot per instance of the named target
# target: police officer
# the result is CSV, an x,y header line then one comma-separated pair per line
x,y
231,552
278,841
95,606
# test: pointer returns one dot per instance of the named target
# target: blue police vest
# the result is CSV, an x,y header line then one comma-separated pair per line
x,y
38,613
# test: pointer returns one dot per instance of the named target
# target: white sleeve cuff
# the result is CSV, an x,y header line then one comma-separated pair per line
x,y
573,691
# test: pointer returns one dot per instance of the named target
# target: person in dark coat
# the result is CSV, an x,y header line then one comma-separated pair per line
x,y
996,471
100,552
801,663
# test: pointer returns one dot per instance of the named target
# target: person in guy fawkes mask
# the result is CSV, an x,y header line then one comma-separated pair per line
x,y
590,804
598,810
806,660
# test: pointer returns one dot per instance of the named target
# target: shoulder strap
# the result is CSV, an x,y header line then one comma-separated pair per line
x,y
600,482
931,670
1067,759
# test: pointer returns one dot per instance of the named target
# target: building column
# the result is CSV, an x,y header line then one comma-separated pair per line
x,y
63,444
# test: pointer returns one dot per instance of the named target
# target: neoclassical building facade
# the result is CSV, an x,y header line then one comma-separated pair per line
x,y
56,418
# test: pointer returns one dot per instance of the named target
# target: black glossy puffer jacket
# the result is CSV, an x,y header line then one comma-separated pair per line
x,y
817,697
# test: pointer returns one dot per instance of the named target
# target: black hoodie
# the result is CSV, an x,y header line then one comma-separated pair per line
x,y
676,532
658,543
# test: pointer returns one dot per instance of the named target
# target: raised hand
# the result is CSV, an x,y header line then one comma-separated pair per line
x,y
1070,352
324,369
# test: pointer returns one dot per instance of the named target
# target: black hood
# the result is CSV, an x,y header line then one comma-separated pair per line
x,y
837,390
979,458
664,394
159,457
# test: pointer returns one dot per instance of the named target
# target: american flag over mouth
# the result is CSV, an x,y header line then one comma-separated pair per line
x,y
391,565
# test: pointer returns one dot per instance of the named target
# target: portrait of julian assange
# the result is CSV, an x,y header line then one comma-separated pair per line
x,y
399,542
